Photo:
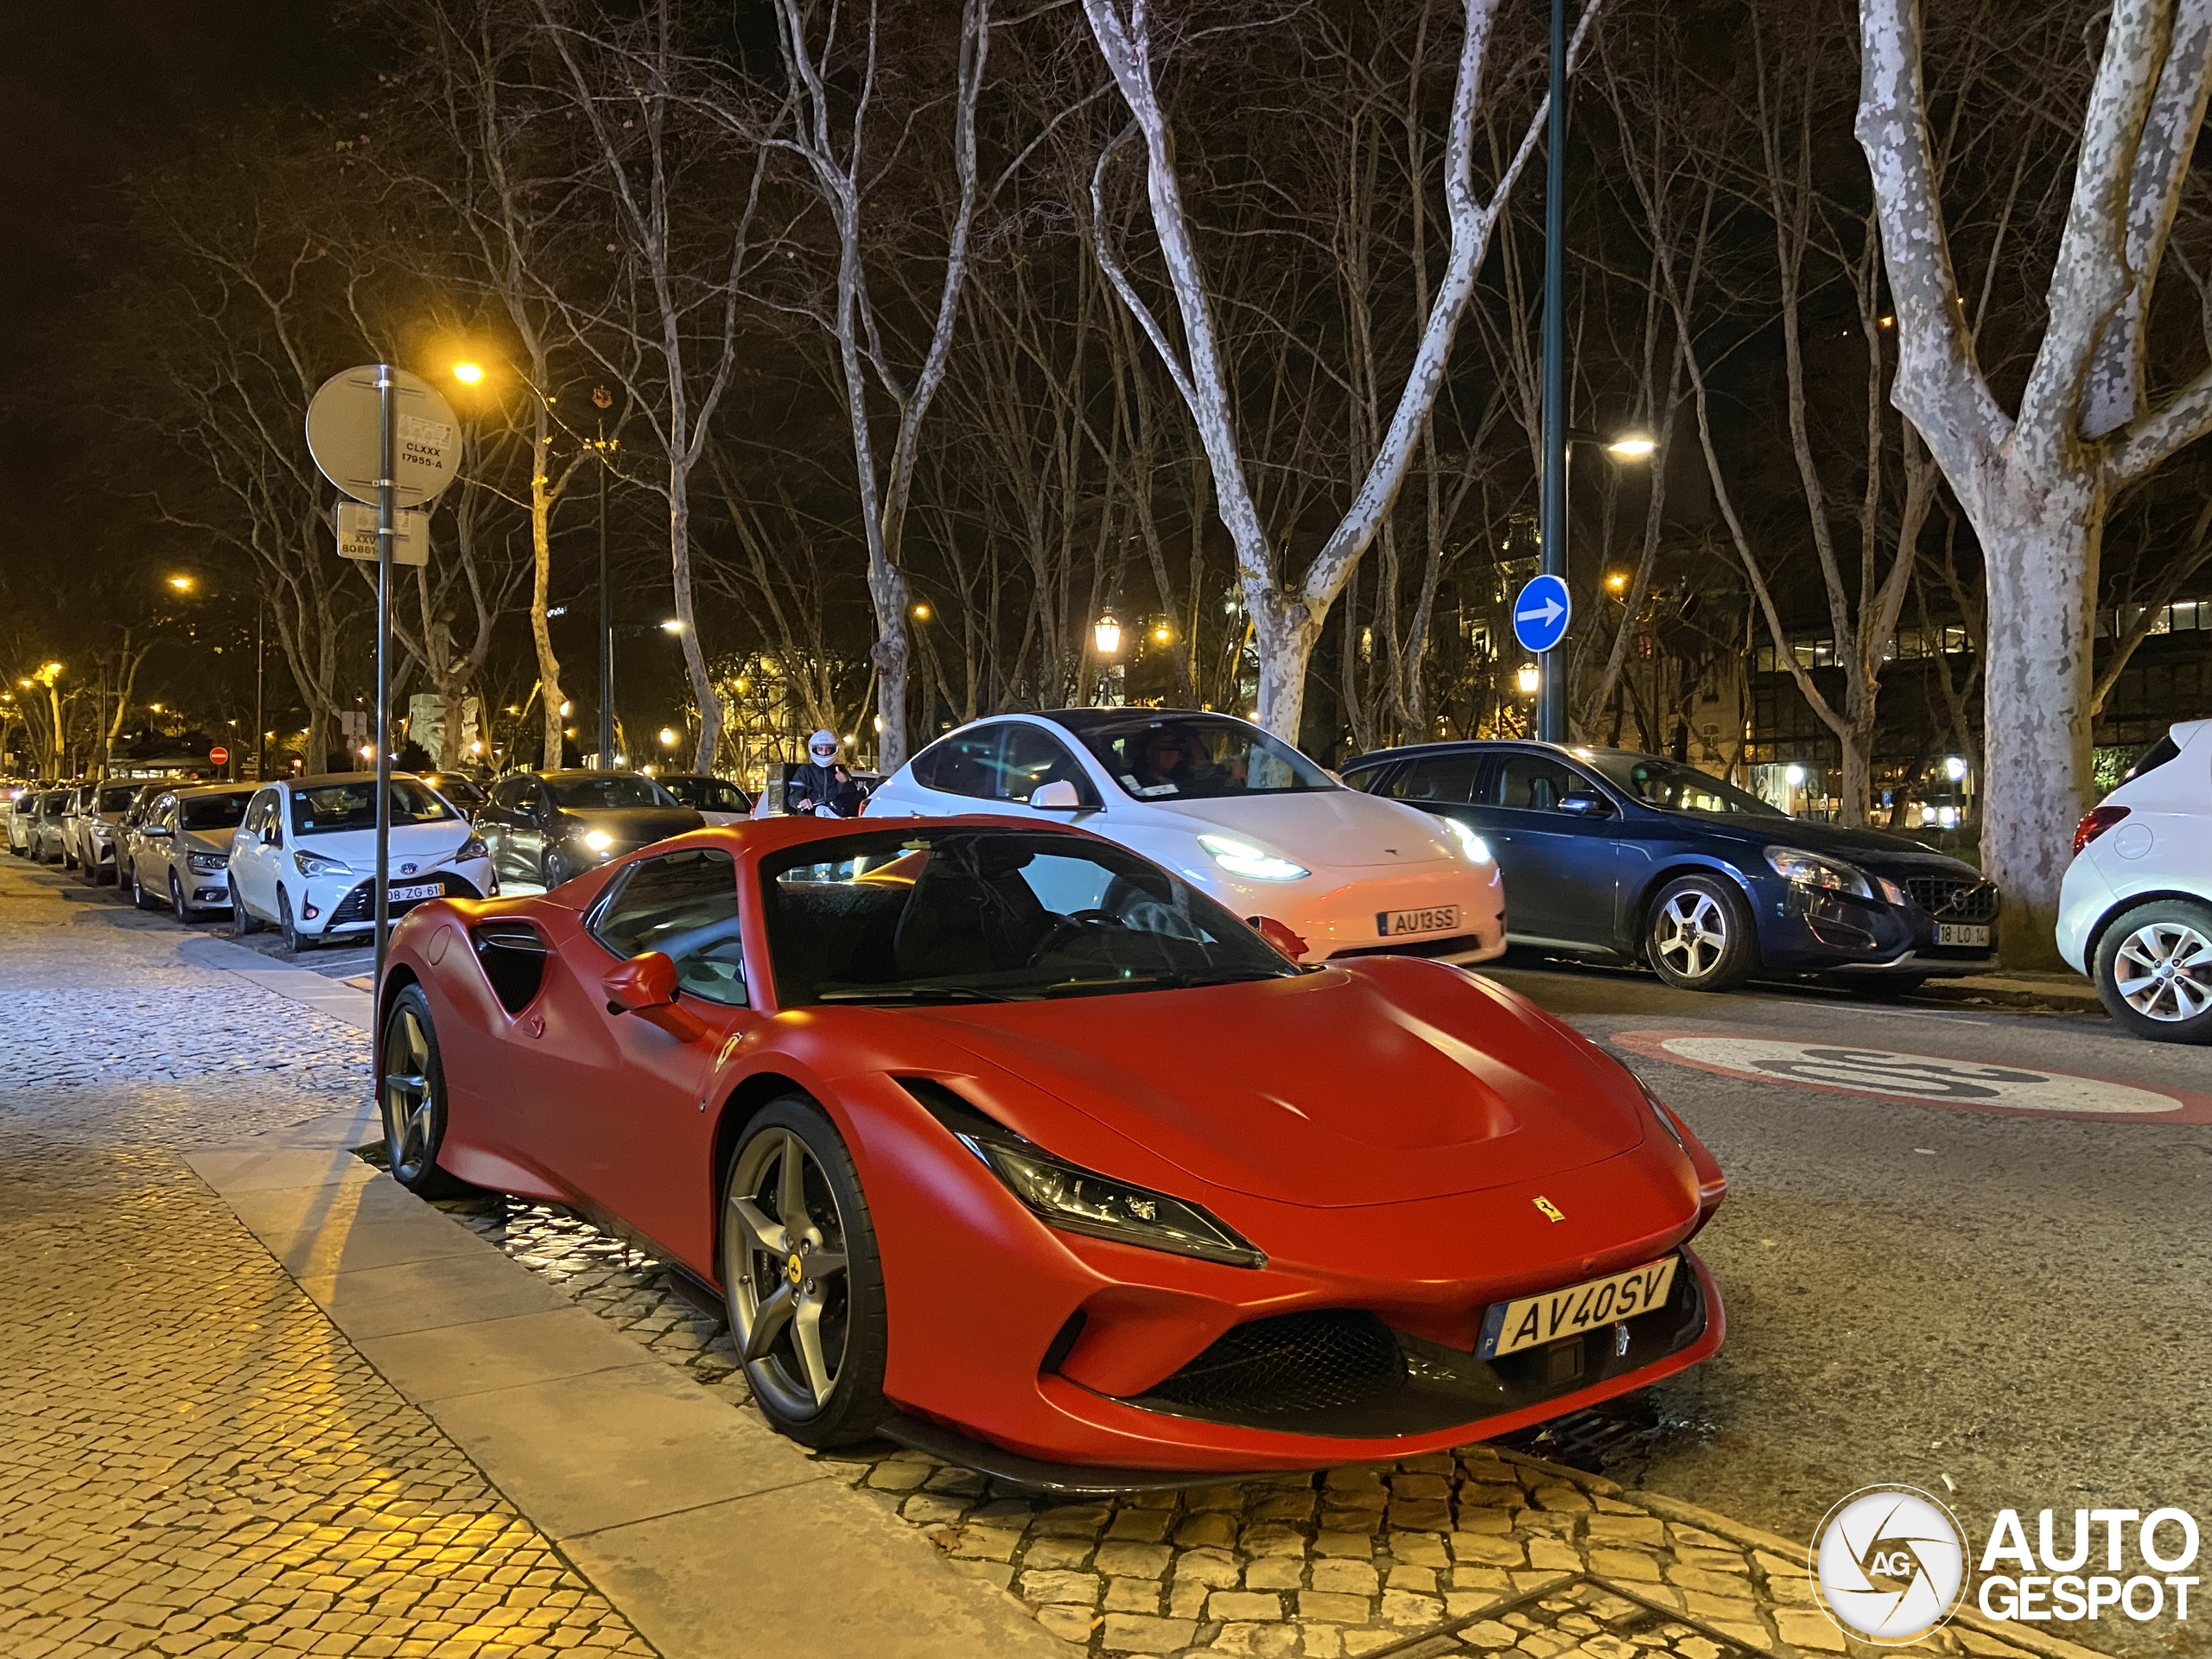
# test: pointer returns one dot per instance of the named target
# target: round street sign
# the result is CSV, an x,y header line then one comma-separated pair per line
x,y
345,436
1541,610
219,756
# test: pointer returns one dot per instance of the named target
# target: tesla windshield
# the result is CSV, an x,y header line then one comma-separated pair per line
x,y
914,915
325,809
1672,787
609,793
1196,757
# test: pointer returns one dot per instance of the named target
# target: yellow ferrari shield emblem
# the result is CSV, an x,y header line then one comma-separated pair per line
x,y
1552,1212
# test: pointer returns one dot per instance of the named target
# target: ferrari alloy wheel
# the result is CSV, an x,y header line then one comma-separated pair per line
x,y
802,1282
413,1094
1698,937
2154,971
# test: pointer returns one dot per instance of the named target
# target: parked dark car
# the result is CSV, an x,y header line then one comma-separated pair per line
x,y
549,827
1637,857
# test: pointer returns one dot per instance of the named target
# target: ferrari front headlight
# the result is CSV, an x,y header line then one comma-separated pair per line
x,y
1079,1200
1242,858
1476,848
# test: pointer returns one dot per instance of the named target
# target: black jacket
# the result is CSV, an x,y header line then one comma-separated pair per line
x,y
831,787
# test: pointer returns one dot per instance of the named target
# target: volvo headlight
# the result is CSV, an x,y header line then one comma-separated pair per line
x,y
1242,858
1808,871
1080,1200
314,864
1476,848
205,864
598,840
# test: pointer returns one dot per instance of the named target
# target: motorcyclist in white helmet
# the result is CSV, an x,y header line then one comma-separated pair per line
x,y
819,786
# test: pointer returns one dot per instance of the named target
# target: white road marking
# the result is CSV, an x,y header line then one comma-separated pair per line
x,y
1933,1078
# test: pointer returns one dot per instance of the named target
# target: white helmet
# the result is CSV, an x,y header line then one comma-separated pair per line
x,y
823,741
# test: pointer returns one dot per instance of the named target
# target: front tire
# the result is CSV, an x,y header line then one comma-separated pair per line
x,y
802,1278
140,899
554,871
412,1095
1697,937
2154,971
181,910
294,941
243,921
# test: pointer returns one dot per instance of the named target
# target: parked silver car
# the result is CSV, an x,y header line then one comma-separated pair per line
x,y
179,853
44,845
22,811
93,828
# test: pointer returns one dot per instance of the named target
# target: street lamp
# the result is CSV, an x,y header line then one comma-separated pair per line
x,y
183,584
1551,710
668,737
1530,679
469,374
1106,635
674,624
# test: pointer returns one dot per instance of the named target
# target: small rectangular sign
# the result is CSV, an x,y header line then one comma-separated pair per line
x,y
1399,924
357,535
1531,1320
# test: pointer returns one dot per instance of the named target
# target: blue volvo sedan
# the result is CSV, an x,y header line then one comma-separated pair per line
x,y
1608,852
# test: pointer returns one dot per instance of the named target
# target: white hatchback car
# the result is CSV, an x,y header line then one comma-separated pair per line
x,y
305,858
2135,911
1324,871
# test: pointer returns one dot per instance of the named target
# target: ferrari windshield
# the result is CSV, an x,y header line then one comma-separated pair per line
x,y
968,915
1672,787
1197,756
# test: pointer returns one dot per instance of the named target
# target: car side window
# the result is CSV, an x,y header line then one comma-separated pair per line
x,y
967,763
1439,778
1034,757
515,793
1536,783
685,906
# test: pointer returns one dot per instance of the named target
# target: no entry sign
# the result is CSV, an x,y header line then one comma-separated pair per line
x,y
219,756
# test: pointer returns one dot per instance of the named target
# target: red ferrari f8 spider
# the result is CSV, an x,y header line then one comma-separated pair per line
x,y
1000,1139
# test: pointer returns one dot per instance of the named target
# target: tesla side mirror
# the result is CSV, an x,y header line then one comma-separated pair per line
x,y
1584,804
645,986
1058,796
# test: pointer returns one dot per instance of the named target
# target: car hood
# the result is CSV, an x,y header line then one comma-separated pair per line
x,y
634,826
1375,1086
210,841
1338,827
358,848
1868,848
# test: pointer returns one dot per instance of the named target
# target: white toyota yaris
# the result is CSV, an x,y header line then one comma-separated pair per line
x,y
1325,871
2135,909
305,858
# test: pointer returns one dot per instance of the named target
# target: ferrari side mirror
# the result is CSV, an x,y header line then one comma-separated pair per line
x,y
646,987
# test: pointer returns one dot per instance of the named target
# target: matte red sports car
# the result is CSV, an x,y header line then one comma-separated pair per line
x,y
1000,1139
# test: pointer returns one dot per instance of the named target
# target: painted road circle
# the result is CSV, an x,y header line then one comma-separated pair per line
x,y
1928,1079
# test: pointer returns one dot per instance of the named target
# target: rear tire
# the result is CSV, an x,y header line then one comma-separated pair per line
x,y
1698,935
412,1098
820,1341
2154,971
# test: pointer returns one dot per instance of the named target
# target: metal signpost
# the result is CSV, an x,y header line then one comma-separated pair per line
x,y
1551,691
386,438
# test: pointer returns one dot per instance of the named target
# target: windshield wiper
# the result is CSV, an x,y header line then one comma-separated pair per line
x,y
1158,982
913,994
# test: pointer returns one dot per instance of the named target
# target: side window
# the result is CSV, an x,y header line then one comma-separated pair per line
x,y
967,763
685,906
1375,780
1440,778
1032,758
1536,783
515,793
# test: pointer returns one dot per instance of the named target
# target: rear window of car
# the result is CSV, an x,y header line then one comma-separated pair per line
x,y
2157,755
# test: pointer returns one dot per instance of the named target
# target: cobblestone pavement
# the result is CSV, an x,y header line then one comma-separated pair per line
x,y
1477,1550
192,1461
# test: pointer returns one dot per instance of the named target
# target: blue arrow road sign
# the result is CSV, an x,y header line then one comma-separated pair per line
x,y
1540,613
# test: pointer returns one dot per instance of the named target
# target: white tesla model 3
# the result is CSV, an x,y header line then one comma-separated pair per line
x,y
1325,871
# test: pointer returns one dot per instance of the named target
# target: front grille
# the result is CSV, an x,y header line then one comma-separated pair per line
x,y
360,905
1955,898
1451,946
1292,1364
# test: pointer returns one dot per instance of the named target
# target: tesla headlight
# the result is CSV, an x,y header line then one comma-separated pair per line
x,y
314,864
1242,858
1808,871
1080,1200
1476,848
598,840
205,864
